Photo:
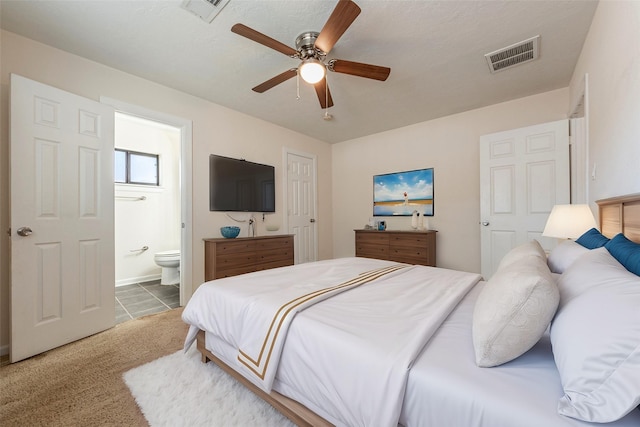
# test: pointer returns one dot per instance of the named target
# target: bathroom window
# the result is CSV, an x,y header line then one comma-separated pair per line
x,y
132,167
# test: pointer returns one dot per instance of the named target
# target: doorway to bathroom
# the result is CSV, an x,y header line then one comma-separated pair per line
x,y
152,211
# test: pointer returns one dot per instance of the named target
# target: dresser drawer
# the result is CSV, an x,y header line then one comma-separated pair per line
x,y
274,244
409,240
373,237
281,255
372,251
227,260
235,246
409,255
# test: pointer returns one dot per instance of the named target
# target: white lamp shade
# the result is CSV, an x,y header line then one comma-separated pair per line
x,y
569,221
312,70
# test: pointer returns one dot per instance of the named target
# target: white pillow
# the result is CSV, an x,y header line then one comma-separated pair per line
x,y
564,254
514,255
588,271
513,310
596,339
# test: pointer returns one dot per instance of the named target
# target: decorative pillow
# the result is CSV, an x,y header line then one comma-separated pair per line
x,y
513,310
595,339
530,248
592,239
588,271
626,252
563,255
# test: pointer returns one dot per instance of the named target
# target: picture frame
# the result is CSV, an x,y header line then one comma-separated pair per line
x,y
403,193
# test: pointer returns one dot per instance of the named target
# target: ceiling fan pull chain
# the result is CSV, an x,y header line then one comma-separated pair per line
x,y
326,95
327,117
297,85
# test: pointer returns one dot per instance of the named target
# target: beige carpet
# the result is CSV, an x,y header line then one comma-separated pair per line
x,y
80,384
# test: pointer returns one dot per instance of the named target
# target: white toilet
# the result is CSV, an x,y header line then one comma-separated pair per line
x,y
170,263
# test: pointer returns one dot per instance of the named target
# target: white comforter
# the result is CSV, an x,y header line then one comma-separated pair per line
x,y
358,346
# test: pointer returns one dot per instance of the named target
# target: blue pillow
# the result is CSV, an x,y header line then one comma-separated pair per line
x,y
626,252
592,239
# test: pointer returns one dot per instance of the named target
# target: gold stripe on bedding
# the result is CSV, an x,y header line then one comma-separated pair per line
x,y
282,317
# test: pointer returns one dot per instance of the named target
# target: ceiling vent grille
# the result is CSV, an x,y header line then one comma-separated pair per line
x,y
204,9
518,53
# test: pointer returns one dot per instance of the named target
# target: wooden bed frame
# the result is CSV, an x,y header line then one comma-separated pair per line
x,y
616,215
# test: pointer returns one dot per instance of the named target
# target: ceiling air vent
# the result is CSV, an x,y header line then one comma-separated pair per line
x,y
518,53
204,9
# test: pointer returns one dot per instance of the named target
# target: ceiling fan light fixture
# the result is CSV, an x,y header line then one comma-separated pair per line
x,y
312,70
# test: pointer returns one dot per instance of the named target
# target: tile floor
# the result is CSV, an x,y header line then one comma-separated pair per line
x,y
141,299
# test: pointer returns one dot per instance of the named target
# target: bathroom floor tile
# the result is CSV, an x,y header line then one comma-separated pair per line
x,y
163,291
140,299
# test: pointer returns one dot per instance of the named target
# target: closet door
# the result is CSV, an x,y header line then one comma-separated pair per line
x,y
301,205
523,174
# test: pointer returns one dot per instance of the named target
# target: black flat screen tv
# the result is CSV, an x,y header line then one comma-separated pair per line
x,y
237,185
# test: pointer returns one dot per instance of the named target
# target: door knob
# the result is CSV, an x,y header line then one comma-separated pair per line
x,y
312,220
24,231
485,223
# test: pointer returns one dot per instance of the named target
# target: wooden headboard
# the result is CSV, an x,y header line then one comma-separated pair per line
x,y
620,215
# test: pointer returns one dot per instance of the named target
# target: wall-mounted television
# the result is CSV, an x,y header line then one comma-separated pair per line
x,y
402,193
236,185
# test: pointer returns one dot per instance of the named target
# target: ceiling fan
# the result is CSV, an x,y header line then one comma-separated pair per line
x,y
312,49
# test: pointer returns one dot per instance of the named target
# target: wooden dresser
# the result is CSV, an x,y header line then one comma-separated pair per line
x,y
411,247
230,257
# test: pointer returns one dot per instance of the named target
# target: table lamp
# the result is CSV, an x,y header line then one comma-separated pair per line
x,y
569,221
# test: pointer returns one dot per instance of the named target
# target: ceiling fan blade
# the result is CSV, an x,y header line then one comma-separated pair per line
x,y
282,77
258,37
341,18
323,92
359,69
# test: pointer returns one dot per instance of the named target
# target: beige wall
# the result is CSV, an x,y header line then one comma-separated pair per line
x,y
215,130
611,59
451,146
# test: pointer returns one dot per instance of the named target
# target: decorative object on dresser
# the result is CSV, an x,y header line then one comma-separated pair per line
x,y
226,257
229,231
412,247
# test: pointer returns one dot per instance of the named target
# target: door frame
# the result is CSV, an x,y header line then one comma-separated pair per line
x,y
286,151
579,142
186,193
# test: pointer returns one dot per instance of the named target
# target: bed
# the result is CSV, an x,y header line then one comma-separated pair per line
x,y
350,355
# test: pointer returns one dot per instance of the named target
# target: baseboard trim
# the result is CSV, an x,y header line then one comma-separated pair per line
x,y
4,350
141,279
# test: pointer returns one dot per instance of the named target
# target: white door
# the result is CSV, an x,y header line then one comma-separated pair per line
x,y
301,205
62,254
523,174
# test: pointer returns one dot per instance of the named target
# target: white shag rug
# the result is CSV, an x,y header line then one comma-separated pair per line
x,y
179,390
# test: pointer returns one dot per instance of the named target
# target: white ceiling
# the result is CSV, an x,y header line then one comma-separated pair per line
x,y
435,50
